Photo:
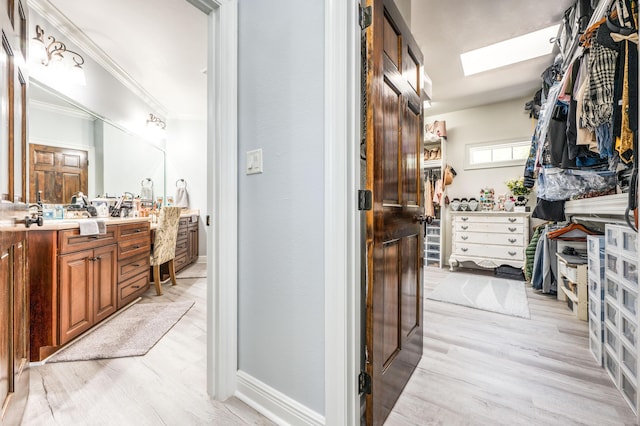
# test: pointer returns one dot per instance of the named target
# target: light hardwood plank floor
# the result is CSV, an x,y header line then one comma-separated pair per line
x,y
478,368
484,368
167,386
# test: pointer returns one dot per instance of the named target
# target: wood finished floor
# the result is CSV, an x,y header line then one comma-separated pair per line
x,y
483,368
478,368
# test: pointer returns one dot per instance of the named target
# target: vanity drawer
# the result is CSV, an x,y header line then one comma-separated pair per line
x,y
488,218
490,238
180,260
134,247
129,290
133,230
70,240
493,228
494,252
133,266
181,246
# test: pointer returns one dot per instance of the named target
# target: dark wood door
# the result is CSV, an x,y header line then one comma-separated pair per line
x,y
6,371
394,236
57,172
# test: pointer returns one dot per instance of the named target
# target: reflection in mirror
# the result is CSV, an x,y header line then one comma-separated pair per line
x,y
118,161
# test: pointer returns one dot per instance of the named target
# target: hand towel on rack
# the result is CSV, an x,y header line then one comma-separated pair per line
x,y
88,227
182,197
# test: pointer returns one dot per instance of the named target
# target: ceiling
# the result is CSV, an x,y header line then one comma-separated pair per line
x,y
162,45
445,29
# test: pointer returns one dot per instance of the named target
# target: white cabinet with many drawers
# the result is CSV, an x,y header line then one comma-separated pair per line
x,y
489,239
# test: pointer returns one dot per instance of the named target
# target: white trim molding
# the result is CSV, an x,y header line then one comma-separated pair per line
x,y
222,196
273,404
341,216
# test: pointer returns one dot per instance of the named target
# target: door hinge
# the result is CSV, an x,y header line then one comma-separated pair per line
x,y
365,197
365,16
364,382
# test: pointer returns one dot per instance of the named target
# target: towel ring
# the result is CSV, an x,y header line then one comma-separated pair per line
x,y
184,183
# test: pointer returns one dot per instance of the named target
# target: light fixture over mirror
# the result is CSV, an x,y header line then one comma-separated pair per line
x,y
52,55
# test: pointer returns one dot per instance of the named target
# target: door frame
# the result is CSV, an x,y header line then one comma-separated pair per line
x,y
341,218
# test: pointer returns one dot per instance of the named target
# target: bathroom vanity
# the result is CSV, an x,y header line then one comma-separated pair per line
x,y
78,280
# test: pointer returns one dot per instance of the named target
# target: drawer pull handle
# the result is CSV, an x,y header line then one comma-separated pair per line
x,y
93,237
464,219
136,247
512,219
512,253
135,286
513,229
138,230
465,237
465,227
512,240
135,264
464,249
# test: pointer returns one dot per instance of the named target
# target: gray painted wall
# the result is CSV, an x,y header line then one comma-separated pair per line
x,y
280,244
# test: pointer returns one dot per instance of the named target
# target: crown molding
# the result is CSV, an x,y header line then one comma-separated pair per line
x,y
66,27
63,110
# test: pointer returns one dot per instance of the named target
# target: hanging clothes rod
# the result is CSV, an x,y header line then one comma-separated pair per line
x,y
598,219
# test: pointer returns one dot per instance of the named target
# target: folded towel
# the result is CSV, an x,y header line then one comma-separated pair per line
x,y
102,226
88,227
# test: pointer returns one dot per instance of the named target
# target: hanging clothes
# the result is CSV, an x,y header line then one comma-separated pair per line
x,y
429,209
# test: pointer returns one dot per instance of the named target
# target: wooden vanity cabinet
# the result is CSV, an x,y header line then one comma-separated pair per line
x,y
187,242
14,327
78,281
87,290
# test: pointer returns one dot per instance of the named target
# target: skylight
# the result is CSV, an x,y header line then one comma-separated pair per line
x,y
514,50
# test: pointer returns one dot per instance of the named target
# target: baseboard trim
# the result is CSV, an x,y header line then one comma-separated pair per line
x,y
273,404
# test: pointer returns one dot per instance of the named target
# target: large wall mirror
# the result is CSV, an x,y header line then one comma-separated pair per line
x,y
72,149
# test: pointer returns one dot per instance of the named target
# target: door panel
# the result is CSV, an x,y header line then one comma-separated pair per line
x,y
105,270
394,238
5,327
57,172
75,294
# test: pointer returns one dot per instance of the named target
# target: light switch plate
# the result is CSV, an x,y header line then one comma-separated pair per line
x,y
254,161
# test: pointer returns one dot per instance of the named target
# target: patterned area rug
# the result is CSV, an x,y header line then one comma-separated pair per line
x,y
131,333
493,294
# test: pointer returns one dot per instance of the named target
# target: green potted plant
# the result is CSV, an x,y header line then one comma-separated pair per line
x,y
519,192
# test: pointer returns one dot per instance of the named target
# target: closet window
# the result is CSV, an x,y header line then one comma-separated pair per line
x,y
496,154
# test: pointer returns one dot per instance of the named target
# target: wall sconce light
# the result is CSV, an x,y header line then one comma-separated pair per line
x,y
53,54
157,121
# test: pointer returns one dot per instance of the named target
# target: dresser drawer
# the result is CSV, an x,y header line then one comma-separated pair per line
x,y
133,266
133,230
488,218
134,247
488,251
129,290
489,238
70,240
493,228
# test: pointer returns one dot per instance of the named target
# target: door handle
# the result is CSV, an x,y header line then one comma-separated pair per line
x,y
423,218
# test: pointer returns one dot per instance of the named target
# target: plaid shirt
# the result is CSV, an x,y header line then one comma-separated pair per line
x,y
597,108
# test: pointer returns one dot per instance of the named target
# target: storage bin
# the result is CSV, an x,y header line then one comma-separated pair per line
x,y
629,390
610,313
611,288
629,359
629,242
611,365
612,237
595,346
611,339
630,272
595,245
628,331
629,301
612,262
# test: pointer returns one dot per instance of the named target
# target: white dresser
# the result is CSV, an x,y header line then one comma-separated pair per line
x,y
489,239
